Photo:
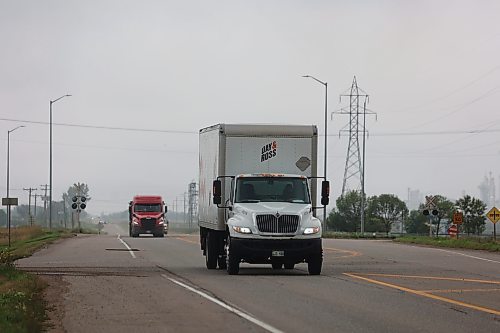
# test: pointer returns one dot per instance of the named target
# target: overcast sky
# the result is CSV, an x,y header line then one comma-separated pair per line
x,y
429,67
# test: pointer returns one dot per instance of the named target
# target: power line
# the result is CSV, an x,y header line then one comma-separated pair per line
x,y
101,127
453,92
459,108
473,131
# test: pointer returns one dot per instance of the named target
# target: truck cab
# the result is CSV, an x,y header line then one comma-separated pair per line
x,y
269,220
147,216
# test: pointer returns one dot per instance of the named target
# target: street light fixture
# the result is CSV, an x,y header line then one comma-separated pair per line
x,y
326,135
8,174
50,163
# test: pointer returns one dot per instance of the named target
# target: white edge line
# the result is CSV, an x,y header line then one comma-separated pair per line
x,y
226,306
467,255
128,247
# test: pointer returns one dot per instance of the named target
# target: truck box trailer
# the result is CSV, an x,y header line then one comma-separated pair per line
x,y
257,196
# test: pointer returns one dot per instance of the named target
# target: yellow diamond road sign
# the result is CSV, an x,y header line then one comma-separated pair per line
x,y
494,215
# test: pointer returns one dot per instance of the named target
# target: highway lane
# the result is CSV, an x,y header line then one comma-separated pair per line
x,y
375,286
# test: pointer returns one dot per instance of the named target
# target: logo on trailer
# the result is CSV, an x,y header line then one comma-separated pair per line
x,y
268,151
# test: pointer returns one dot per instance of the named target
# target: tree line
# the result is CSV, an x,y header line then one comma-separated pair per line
x,y
384,210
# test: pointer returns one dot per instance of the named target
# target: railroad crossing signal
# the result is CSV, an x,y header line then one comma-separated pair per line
x,y
430,206
78,202
430,202
433,212
494,215
458,218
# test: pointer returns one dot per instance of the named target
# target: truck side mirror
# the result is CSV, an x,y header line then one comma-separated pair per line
x,y
325,192
166,209
217,192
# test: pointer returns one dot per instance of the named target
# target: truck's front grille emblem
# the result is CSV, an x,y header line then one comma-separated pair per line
x,y
278,224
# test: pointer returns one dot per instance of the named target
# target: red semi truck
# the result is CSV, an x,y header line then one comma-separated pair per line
x,y
147,215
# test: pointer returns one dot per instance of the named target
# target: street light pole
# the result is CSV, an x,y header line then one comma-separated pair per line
x,y
8,174
326,136
50,162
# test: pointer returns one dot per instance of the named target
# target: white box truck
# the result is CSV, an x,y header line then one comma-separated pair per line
x,y
257,196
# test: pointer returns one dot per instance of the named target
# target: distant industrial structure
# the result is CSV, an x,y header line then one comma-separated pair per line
x,y
192,204
415,198
487,190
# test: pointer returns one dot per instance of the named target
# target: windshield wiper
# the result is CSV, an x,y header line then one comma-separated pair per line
x,y
249,201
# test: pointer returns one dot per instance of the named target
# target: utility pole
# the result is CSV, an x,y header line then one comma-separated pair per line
x,y
355,163
29,203
184,206
36,196
45,188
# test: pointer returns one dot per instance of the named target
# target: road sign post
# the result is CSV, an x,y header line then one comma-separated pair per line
x,y
9,202
458,218
494,216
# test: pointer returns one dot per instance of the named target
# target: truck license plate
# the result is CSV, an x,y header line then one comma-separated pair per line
x,y
278,253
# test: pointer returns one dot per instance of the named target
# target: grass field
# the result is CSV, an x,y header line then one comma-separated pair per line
x,y
472,243
22,308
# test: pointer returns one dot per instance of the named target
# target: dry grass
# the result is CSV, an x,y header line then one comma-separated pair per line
x,y
19,234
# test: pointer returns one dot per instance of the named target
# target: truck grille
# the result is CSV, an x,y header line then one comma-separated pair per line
x,y
284,224
148,224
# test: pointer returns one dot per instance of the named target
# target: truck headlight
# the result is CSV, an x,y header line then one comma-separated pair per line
x,y
310,231
242,230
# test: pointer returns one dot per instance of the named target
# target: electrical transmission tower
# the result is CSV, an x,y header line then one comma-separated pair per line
x,y
354,172
192,202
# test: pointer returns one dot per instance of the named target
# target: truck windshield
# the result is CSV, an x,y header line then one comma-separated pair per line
x,y
272,189
150,208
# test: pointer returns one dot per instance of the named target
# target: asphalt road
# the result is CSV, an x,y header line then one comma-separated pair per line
x,y
162,285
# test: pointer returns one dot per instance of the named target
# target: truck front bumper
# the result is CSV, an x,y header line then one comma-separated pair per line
x,y
261,251
155,230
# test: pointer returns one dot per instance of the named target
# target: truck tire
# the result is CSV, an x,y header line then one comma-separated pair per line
x,y
232,260
289,266
211,251
277,266
314,264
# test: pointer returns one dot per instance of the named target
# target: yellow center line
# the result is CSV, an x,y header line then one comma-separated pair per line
x,y
423,293
432,278
458,290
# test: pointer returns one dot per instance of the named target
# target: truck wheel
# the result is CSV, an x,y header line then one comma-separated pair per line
x,y
211,255
314,264
289,266
277,266
232,261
